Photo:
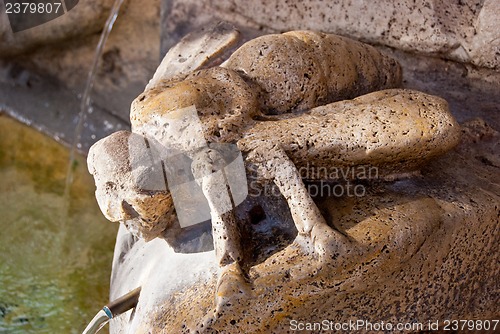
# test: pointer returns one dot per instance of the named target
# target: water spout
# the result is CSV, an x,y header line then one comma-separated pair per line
x,y
113,309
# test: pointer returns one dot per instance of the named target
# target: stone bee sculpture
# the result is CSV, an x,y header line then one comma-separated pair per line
x,y
290,102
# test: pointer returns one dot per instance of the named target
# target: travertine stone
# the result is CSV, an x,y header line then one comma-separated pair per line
x,y
299,70
394,130
339,251
465,31
129,188
195,51
56,57
223,100
423,248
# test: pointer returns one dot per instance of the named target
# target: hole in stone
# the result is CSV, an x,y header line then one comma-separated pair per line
x,y
257,214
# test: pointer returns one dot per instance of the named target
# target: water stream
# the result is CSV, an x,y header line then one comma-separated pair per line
x,y
85,108
98,322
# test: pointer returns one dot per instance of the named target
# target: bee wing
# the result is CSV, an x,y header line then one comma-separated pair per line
x,y
194,51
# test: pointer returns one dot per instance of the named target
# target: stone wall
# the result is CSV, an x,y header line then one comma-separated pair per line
x,y
463,30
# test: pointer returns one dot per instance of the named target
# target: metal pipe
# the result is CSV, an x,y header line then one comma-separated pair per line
x,y
113,309
124,303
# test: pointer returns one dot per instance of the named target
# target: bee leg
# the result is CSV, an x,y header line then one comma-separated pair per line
x,y
317,235
208,168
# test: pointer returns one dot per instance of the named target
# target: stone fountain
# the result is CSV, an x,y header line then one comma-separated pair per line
x,y
360,205
358,226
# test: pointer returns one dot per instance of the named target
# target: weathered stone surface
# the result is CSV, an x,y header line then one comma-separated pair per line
x,y
423,249
128,188
394,130
482,47
399,234
195,51
414,128
377,246
464,31
223,100
226,104
299,70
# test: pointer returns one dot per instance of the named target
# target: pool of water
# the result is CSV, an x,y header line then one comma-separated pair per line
x,y
55,255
